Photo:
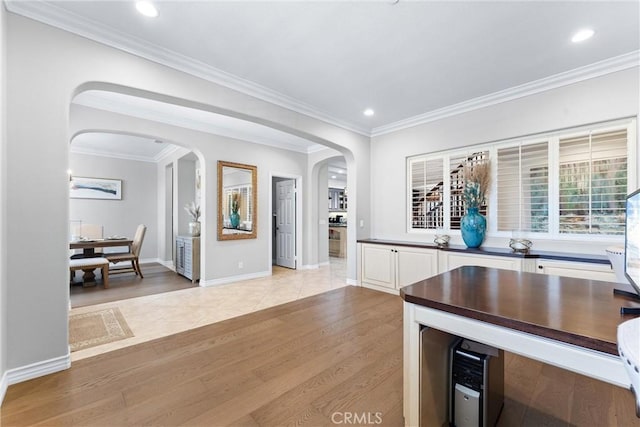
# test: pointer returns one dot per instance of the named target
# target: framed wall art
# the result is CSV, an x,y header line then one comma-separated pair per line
x,y
95,188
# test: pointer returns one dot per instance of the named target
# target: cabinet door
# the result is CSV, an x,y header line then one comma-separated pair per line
x,y
378,265
451,260
414,265
188,258
180,256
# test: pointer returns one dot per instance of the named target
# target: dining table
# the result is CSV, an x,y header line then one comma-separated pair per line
x,y
89,246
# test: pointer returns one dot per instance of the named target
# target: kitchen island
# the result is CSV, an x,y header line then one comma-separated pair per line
x,y
566,322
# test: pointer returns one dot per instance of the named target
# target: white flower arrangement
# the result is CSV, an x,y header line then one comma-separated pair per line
x,y
193,209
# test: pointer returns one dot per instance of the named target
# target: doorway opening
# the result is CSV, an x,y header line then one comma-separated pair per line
x,y
285,221
149,196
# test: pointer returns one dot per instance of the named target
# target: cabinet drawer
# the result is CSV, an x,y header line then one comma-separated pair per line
x,y
451,260
579,270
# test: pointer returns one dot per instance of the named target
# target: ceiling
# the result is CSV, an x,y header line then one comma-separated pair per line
x,y
407,60
138,148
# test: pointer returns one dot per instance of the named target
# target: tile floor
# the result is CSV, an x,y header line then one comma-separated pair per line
x,y
156,316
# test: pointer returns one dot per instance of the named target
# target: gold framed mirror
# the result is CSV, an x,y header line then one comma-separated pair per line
x,y
237,201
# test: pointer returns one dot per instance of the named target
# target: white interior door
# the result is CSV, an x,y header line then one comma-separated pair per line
x,y
286,223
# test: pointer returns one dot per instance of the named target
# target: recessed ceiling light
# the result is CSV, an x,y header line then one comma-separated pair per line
x,y
368,112
582,35
340,171
333,177
147,9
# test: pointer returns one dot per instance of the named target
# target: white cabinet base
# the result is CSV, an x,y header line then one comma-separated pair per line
x,y
388,268
188,257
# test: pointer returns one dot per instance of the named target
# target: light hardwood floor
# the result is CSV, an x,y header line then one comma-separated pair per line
x,y
311,362
299,362
157,279
161,314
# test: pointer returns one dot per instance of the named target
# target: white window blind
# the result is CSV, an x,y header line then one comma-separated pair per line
x,y
427,194
523,188
456,180
593,183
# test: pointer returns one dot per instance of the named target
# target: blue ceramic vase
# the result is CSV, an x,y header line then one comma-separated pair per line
x,y
473,227
235,219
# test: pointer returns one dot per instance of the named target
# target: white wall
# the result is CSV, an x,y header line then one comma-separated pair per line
x,y
222,257
168,207
323,223
46,67
604,98
120,217
185,184
3,145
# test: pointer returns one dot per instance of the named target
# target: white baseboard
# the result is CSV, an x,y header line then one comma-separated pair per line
x,y
353,282
168,264
232,279
4,384
310,267
38,369
151,261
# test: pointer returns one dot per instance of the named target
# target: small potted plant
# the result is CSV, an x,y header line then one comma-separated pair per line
x,y
193,209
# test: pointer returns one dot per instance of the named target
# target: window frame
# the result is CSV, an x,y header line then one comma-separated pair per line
x,y
552,138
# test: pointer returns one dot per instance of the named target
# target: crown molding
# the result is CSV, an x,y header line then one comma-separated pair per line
x,y
55,16
113,155
597,69
168,151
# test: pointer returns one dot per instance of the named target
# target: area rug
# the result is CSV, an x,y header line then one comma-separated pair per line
x,y
96,328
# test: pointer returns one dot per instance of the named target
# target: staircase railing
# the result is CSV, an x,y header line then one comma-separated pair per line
x,y
428,210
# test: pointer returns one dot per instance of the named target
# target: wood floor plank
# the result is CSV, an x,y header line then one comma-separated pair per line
x,y
376,320
81,385
294,364
552,398
293,405
343,396
83,415
624,409
591,404
157,279
521,376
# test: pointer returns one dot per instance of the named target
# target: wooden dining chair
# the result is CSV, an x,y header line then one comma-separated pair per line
x,y
132,255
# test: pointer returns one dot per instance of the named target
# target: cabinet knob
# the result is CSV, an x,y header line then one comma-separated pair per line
x,y
540,267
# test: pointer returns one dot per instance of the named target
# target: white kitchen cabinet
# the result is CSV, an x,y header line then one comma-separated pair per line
x,y
580,270
388,268
337,200
188,257
389,265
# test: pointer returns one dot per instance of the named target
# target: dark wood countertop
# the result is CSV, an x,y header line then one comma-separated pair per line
x,y
506,252
582,312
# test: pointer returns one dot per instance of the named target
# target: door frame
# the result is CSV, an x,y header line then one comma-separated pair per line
x,y
298,231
